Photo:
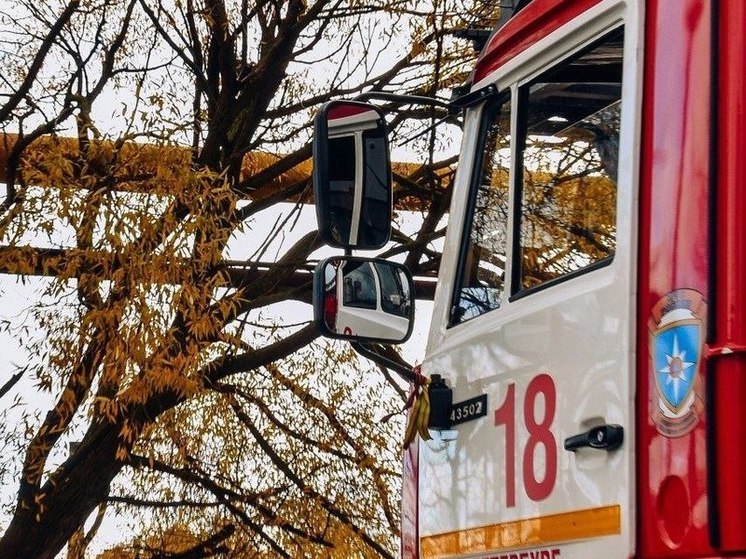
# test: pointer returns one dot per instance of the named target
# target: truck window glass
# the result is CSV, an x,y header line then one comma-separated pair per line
x,y
568,155
395,296
359,286
482,262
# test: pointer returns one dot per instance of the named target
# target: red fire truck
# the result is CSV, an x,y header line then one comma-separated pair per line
x,y
589,317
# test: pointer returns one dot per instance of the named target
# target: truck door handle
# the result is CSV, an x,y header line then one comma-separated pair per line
x,y
603,437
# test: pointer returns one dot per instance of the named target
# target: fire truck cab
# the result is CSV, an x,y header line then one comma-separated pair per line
x,y
589,313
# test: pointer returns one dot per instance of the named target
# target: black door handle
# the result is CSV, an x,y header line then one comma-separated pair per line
x,y
603,437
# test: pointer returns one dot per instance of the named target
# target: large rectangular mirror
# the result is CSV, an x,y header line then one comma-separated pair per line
x,y
352,176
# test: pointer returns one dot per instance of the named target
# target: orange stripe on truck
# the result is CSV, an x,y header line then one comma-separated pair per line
x,y
530,532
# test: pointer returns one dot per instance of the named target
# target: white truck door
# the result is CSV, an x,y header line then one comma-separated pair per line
x,y
537,332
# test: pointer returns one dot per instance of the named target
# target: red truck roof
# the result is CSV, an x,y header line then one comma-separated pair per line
x,y
537,20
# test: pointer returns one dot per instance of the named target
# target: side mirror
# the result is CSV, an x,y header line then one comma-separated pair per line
x,y
352,175
363,299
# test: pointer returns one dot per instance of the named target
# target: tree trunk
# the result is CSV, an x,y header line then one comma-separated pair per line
x,y
41,532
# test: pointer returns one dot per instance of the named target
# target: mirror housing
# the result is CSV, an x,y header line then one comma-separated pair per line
x,y
352,175
363,299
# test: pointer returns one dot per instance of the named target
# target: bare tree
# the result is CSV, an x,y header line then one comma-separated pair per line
x,y
141,137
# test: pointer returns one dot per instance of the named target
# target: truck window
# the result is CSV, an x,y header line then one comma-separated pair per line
x,y
359,286
479,284
395,296
568,150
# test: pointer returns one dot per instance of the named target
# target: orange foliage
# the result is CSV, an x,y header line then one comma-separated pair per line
x,y
147,160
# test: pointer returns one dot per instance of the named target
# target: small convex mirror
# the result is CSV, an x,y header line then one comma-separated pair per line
x,y
363,299
352,175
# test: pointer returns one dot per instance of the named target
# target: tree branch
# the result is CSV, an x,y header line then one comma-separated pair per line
x,y
38,61
5,388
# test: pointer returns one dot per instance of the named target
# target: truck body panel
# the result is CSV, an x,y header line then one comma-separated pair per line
x,y
651,339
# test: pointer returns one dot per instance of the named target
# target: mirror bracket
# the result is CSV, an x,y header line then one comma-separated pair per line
x,y
403,99
453,106
405,372
469,99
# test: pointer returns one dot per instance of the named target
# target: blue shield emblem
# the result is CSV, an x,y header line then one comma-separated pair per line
x,y
676,354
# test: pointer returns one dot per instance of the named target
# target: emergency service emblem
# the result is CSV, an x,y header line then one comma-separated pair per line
x,y
677,330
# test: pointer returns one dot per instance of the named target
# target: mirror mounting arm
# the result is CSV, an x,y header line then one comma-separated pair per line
x,y
453,106
404,372
403,99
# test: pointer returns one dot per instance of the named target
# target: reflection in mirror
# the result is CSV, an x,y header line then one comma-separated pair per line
x,y
363,299
352,175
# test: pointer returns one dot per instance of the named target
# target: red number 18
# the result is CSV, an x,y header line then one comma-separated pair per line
x,y
539,435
